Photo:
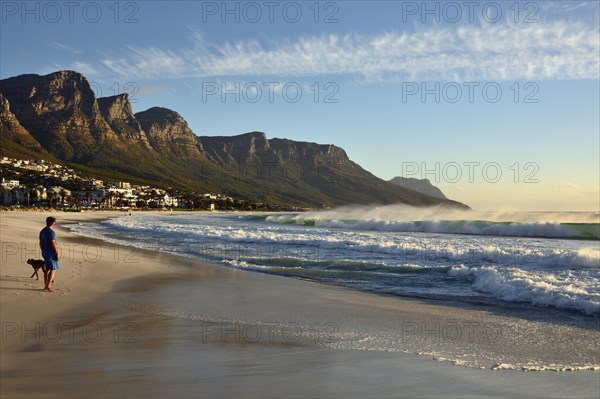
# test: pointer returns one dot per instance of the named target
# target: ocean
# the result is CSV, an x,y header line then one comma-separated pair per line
x,y
536,259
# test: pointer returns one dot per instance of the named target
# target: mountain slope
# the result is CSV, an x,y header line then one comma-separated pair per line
x,y
421,185
117,111
60,111
58,115
14,138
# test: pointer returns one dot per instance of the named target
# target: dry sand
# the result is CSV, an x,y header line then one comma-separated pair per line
x,y
132,323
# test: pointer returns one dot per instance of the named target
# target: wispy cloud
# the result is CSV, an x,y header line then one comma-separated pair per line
x,y
568,6
82,67
555,50
63,47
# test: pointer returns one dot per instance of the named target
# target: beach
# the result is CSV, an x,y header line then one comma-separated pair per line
x,y
132,322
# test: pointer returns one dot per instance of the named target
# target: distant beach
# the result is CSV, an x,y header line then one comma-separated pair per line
x,y
128,321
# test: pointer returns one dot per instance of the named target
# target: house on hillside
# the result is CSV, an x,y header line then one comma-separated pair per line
x,y
9,183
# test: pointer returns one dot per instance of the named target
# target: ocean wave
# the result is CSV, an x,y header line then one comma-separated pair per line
x,y
542,289
468,227
542,272
325,245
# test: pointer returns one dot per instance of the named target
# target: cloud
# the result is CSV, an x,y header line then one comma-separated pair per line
x,y
85,68
542,51
63,47
568,6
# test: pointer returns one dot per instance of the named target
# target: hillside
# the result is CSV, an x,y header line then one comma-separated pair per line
x,y
421,185
58,117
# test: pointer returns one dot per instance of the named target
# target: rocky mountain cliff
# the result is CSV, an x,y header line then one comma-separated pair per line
x,y
12,133
60,111
421,185
58,116
169,134
117,111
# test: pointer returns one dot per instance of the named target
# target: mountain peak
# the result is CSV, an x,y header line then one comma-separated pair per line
x,y
60,111
421,185
160,114
117,111
66,74
121,100
168,133
116,97
254,135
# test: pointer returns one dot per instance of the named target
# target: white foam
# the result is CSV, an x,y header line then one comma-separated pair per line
x,y
543,289
489,228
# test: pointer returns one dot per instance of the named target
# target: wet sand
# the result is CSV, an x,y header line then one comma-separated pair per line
x,y
136,323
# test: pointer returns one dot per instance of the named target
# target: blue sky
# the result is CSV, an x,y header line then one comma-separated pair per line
x,y
495,102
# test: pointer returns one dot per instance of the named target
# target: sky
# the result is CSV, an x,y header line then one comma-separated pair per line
x,y
497,103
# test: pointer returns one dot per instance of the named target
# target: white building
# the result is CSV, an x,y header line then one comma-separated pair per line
x,y
10,183
169,201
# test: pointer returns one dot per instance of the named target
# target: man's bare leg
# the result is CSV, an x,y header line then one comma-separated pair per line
x,y
51,274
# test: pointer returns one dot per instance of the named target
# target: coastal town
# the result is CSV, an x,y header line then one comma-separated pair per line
x,y
40,184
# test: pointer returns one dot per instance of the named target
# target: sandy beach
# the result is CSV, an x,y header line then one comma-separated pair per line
x,y
126,322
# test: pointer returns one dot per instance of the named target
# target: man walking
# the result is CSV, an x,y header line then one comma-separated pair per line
x,y
49,252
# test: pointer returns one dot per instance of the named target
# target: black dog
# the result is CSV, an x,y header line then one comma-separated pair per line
x,y
37,264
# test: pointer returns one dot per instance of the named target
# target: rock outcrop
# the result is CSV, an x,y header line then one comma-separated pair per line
x,y
117,111
11,130
169,134
421,185
60,111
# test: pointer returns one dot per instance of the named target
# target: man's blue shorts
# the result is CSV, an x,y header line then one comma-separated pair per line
x,y
51,264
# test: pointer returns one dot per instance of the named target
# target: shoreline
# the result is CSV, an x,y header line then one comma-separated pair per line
x,y
174,302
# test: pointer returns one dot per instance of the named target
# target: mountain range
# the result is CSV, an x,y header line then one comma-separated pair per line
x,y
58,117
420,185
